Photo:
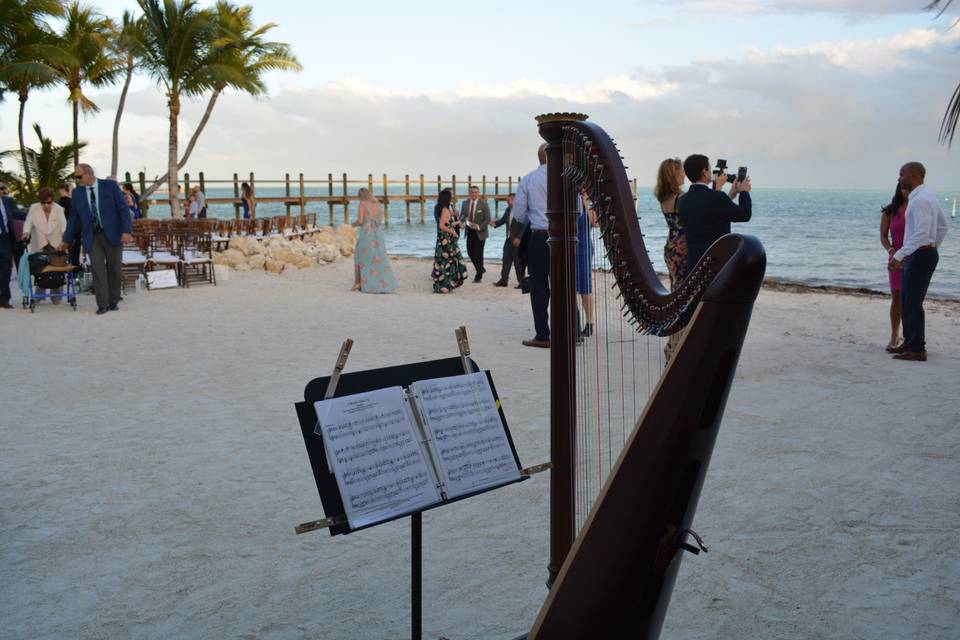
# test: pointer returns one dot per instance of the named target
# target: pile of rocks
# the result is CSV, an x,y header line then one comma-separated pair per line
x,y
276,254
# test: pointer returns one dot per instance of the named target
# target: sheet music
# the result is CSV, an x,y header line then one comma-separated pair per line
x,y
376,455
468,437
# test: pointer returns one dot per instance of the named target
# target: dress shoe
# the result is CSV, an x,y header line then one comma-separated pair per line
x,y
6,305
478,278
113,307
543,344
500,283
518,286
901,348
102,310
918,356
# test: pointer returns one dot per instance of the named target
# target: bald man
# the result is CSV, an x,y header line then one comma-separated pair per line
x,y
926,227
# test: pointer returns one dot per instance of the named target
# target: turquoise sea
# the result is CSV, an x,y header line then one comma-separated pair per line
x,y
812,236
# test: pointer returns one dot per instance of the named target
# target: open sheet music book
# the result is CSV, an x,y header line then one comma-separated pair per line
x,y
396,451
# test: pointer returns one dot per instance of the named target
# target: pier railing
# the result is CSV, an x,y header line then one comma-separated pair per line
x,y
412,193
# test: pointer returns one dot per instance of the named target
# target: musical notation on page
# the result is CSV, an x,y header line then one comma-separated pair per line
x,y
467,435
375,453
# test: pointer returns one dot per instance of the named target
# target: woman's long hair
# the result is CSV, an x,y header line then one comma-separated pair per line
x,y
364,194
895,203
667,179
246,191
444,199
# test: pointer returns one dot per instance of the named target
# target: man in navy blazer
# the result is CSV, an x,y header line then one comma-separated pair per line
x,y
706,212
99,212
8,210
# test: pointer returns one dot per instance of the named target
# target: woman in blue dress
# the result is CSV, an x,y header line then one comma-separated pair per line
x,y
586,221
372,272
248,201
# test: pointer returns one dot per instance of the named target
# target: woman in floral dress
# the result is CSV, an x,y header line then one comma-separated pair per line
x,y
372,272
449,270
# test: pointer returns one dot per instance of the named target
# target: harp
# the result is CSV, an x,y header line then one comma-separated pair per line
x,y
628,467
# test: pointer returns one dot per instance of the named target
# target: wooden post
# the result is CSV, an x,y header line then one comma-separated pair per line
x,y
370,183
423,200
509,184
286,179
126,177
236,194
346,201
203,183
386,203
454,186
406,192
330,194
483,188
496,192
439,186
253,185
186,184
144,207
303,204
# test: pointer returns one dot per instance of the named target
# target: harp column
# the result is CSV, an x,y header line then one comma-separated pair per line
x,y
563,326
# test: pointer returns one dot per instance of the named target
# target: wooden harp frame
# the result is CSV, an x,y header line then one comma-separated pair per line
x,y
614,578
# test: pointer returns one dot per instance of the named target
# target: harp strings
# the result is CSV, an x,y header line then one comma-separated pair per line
x,y
616,364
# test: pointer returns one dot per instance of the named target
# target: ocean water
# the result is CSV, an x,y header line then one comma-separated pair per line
x,y
812,236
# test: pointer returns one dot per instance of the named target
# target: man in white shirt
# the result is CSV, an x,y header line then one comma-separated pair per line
x,y
926,227
530,208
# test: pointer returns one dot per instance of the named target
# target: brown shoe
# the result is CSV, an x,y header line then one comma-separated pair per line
x,y
6,305
543,344
900,348
918,356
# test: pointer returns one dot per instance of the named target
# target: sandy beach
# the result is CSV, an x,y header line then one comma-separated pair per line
x,y
153,470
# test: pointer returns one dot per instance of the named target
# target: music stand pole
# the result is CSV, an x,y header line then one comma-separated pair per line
x,y
416,576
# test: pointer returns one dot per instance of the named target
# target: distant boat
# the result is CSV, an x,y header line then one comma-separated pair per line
x,y
954,213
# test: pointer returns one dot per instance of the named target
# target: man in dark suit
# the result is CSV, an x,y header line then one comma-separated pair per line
x,y
8,211
705,211
475,215
511,257
100,214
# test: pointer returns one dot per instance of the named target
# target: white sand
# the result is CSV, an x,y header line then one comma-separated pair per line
x,y
153,471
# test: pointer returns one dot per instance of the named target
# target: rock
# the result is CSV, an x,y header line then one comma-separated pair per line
x,y
347,231
257,261
231,258
274,266
243,266
346,245
247,246
327,251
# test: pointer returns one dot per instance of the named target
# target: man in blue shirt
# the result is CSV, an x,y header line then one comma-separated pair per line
x,y
530,208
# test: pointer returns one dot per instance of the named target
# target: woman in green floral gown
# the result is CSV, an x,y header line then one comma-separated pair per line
x,y
449,271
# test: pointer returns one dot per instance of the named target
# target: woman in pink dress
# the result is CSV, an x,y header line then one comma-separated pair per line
x,y
892,223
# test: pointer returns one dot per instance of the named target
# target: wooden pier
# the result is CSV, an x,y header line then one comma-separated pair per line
x,y
414,197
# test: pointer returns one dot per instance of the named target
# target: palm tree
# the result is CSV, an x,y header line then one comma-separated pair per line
x,y
948,126
86,36
28,52
172,45
125,48
238,58
50,164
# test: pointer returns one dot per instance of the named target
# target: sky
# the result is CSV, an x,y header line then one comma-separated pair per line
x,y
807,93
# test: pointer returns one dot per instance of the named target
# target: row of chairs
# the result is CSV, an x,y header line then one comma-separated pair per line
x,y
221,230
186,251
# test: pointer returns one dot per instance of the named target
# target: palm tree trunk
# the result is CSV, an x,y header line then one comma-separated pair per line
x,y
116,121
28,181
76,133
174,104
193,141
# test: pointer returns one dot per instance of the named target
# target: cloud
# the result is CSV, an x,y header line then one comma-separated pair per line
x,y
828,115
850,8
